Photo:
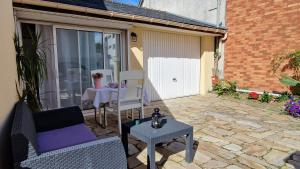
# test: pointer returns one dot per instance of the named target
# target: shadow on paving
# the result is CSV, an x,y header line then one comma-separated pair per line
x,y
174,149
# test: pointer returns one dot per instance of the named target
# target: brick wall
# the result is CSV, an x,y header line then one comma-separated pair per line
x,y
257,31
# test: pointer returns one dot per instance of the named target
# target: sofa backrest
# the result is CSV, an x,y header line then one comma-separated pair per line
x,y
23,134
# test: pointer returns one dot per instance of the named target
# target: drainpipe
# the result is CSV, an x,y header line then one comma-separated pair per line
x,y
224,38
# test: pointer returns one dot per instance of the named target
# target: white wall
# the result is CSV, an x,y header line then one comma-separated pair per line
x,y
202,10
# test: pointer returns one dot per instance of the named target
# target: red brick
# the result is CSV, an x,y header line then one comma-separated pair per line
x,y
258,30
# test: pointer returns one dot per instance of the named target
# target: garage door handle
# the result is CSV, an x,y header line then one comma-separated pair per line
x,y
174,80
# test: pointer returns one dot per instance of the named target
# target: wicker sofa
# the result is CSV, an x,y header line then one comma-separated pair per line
x,y
59,139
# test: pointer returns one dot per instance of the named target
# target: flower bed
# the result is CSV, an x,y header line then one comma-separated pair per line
x,y
293,107
253,95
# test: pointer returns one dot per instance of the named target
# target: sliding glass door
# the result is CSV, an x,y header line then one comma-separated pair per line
x,y
80,52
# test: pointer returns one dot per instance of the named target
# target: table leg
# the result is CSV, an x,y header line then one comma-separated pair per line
x,y
189,148
104,122
95,111
151,156
125,140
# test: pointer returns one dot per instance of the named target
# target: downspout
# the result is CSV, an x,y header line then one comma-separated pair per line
x,y
224,38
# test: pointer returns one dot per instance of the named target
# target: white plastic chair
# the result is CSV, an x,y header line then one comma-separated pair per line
x,y
107,76
133,98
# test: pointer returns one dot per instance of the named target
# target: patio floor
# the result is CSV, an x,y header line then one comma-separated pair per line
x,y
227,134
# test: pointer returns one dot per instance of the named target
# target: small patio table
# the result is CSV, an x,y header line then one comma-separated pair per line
x,y
170,129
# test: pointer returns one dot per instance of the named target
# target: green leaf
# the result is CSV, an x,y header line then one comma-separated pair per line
x,y
289,81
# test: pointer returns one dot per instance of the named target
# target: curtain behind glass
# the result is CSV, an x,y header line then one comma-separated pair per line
x,y
112,51
48,90
68,67
91,55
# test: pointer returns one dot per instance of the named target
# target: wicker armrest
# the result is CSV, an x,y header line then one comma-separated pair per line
x,y
103,153
57,118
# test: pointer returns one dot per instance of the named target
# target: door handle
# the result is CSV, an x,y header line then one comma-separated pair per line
x,y
174,79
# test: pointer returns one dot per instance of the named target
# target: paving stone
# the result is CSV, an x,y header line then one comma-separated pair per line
x,y
233,147
176,147
248,123
233,167
201,158
250,163
133,162
292,132
254,162
244,138
217,141
215,150
132,149
256,150
172,165
223,132
214,164
261,135
288,166
189,165
289,143
177,157
276,157
271,145
142,156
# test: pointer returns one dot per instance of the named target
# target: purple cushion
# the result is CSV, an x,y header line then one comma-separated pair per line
x,y
64,137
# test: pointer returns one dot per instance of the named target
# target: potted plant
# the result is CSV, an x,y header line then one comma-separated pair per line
x,y
31,70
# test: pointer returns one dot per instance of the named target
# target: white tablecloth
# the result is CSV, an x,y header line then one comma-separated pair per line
x,y
103,95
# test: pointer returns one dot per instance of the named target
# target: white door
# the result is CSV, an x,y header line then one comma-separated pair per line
x,y
171,64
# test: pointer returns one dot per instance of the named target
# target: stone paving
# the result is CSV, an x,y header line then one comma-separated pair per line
x,y
227,134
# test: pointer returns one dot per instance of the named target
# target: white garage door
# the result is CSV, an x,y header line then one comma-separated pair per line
x,y
172,64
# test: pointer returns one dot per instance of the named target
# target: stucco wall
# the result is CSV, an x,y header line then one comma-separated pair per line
x,y
207,64
8,76
136,50
203,10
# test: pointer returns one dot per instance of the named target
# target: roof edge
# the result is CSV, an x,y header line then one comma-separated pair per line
x,y
65,8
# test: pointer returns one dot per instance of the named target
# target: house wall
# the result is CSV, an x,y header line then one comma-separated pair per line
x,y
258,31
136,50
202,10
207,64
8,75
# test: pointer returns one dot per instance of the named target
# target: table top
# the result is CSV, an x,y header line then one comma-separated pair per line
x,y
171,128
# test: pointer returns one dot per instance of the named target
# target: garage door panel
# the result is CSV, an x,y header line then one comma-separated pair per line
x,y
172,64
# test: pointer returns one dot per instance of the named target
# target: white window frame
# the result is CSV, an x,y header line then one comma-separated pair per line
x,y
78,28
90,29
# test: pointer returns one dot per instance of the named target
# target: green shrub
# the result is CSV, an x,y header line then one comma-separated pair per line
x,y
283,97
265,97
225,88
